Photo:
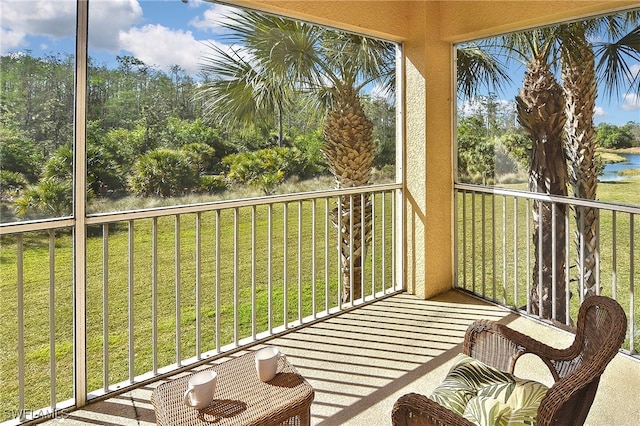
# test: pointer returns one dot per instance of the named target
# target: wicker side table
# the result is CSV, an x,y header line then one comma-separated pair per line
x,y
240,398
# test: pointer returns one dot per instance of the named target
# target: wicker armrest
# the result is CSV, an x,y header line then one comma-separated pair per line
x,y
416,409
499,346
600,330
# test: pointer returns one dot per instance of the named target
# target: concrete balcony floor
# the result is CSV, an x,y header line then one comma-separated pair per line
x,y
360,362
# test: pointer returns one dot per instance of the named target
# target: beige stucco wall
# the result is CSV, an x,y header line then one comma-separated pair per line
x,y
427,30
428,160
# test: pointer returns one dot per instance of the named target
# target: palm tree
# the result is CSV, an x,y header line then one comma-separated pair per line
x,y
540,107
579,74
580,62
577,58
349,63
280,57
540,110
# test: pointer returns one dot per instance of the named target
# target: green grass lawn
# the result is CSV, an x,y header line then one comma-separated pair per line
x,y
292,276
501,271
122,294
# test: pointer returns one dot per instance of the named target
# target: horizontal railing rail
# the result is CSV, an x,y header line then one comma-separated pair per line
x,y
172,287
35,225
501,244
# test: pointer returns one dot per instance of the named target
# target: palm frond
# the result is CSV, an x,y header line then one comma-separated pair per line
x,y
233,95
280,58
284,47
356,61
614,64
477,67
611,27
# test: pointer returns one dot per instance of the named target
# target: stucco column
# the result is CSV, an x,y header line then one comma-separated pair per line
x,y
428,154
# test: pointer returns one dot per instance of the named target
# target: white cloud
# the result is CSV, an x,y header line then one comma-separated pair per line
x,y
35,18
158,45
56,20
40,17
162,47
212,18
11,40
108,18
630,102
115,26
599,113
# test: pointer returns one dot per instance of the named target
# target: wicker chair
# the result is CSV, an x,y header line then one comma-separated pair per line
x,y
600,331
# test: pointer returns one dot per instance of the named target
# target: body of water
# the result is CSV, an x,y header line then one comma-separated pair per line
x,y
610,173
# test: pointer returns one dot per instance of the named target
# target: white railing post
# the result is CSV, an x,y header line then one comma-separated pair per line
x,y
79,208
632,292
131,299
105,306
198,284
52,320
177,290
20,325
154,294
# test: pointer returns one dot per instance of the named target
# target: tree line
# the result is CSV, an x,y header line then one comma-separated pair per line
x,y
493,148
287,98
146,136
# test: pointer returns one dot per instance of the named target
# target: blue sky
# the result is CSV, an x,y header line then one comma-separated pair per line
x,y
617,110
164,33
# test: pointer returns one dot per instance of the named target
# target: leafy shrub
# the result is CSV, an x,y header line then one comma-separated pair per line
x,y
51,197
200,155
125,146
19,153
196,135
103,172
518,146
312,162
265,169
10,182
614,137
162,172
470,139
60,164
212,184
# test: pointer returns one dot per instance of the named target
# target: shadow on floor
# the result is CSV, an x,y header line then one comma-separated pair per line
x,y
361,361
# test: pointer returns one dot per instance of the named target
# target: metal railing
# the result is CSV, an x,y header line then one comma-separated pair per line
x,y
171,287
498,259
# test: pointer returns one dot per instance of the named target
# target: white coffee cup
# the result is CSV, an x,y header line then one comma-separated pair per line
x,y
200,389
267,362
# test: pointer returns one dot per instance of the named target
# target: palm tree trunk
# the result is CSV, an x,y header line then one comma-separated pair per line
x,y
540,106
349,150
579,83
280,124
